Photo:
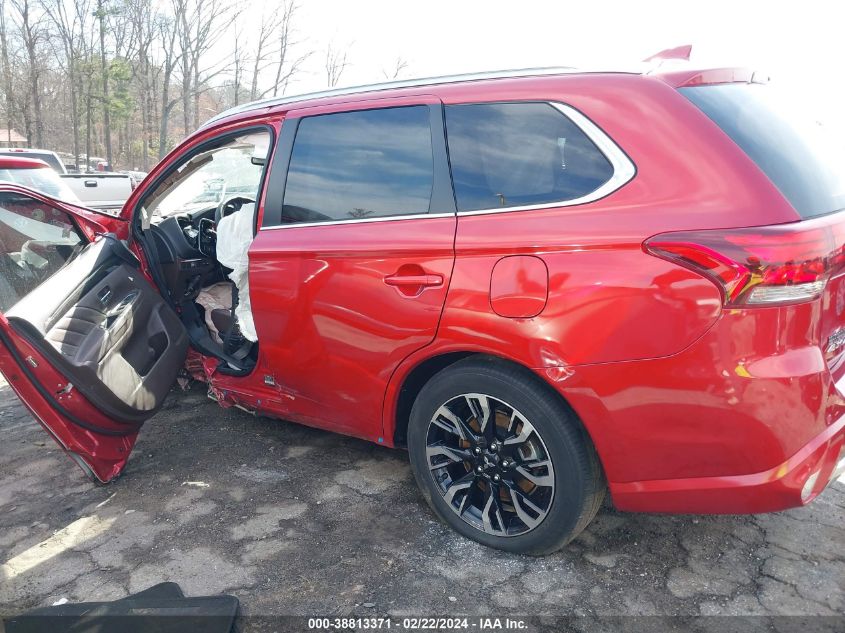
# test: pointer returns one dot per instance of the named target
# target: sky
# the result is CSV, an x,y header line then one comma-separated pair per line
x,y
792,42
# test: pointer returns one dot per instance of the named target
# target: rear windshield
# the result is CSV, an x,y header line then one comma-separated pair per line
x,y
801,154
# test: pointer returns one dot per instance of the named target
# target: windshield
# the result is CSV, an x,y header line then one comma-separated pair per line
x,y
41,179
209,177
802,153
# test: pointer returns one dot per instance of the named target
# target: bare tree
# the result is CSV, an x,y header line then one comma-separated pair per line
x,y
121,78
166,31
336,63
8,84
69,27
202,24
142,16
101,17
239,60
399,65
287,66
265,49
30,27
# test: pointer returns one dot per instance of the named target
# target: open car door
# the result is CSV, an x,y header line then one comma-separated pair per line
x,y
86,342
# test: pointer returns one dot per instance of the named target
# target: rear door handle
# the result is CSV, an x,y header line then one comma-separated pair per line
x,y
417,281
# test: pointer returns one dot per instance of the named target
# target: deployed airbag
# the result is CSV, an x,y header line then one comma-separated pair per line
x,y
234,235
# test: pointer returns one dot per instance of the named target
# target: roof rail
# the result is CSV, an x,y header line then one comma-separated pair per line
x,y
391,85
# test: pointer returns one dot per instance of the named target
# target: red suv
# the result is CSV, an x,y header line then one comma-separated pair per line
x,y
545,285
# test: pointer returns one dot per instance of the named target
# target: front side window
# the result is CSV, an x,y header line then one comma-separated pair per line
x,y
519,154
232,168
360,165
35,241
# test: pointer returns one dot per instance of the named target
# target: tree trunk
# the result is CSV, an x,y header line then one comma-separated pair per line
x,y
166,106
196,95
30,37
88,128
105,70
74,112
7,77
186,98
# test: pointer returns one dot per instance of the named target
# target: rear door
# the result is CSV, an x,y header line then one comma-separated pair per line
x,y
349,272
86,342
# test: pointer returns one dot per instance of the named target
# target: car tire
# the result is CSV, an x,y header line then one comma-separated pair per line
x,y
536,481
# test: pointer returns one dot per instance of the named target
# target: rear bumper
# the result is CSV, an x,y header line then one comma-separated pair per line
x,y
793,483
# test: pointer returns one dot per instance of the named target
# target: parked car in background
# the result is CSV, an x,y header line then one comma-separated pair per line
x,y
102,190
35,174
51,158
545,285
136,176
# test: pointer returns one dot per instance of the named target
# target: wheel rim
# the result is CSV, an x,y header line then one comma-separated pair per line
x,y
490,465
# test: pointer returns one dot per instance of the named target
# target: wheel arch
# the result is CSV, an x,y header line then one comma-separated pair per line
x,y
410,385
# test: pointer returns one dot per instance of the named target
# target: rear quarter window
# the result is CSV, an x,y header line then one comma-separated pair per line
x,y
803,155
520,154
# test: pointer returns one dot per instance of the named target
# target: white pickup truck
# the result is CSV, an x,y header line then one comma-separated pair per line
x,y
101,190
104,191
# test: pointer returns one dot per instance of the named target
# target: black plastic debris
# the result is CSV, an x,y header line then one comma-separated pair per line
x,y
162,608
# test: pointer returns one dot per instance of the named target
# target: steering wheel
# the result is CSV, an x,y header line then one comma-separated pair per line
x,y
228,206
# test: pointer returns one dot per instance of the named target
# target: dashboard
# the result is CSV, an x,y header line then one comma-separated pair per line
x,y
185,246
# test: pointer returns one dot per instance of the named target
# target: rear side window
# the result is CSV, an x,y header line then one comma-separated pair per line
x,y
520,154
801,155
359,165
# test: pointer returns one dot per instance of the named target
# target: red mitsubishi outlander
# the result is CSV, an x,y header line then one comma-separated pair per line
x,y
544,285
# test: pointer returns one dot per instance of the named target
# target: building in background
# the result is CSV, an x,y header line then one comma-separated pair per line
x,y
11,138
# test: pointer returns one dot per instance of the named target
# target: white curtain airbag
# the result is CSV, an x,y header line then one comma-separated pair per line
x,y
234,235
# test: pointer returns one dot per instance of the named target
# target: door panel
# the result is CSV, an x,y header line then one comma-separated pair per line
x,y
85,340
333,320
349,273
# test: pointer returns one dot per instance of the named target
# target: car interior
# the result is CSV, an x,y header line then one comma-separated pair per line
x,y
196,226
89,310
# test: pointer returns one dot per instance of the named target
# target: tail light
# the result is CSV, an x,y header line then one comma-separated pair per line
x,y
760,266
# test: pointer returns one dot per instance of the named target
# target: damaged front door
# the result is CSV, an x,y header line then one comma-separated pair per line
x,y
85,341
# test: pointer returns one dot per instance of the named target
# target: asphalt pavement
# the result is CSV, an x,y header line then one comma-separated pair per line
x,y
296,521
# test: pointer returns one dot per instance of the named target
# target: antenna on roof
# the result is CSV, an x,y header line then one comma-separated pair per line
x,y
679,52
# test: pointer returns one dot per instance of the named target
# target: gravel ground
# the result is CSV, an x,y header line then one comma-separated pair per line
x,y
297,521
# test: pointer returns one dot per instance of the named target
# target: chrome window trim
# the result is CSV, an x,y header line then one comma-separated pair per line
x,y
385,218
624,169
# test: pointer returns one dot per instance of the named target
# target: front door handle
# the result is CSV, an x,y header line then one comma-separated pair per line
x,y
424,281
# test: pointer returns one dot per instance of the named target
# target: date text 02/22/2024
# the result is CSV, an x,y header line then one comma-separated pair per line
x,y
417,623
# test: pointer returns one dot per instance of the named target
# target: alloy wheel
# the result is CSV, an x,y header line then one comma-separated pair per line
x,y
490,464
